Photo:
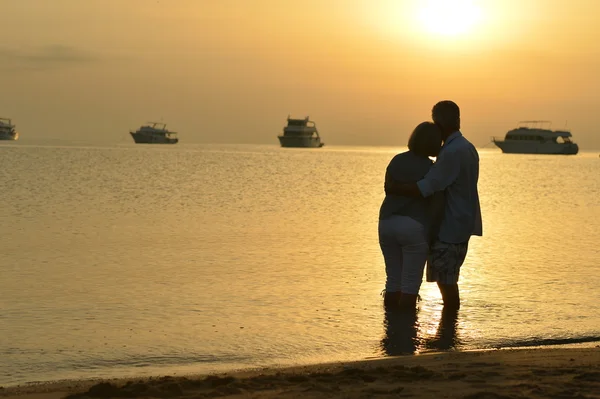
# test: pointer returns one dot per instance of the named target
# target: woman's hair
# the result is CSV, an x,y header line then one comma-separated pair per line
x,y
426,140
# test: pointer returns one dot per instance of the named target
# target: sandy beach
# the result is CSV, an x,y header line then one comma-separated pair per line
x,y
519,373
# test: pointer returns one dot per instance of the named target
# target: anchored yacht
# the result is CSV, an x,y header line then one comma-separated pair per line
x,y
154,133
536,137
7,130
300,133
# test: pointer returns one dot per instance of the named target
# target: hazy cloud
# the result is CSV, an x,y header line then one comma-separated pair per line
x,y
45,57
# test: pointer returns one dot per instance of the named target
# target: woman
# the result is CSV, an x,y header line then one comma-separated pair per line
x,y
406,224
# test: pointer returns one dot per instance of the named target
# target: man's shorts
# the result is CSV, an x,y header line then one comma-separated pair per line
x,y
444,262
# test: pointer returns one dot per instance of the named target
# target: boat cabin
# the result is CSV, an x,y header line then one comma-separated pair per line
x,y
538,131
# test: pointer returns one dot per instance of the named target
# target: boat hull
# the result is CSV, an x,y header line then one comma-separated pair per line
x,y
9,136
300,142
522,147
152,139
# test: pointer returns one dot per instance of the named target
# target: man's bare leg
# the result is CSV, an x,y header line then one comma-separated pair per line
x,y
450,295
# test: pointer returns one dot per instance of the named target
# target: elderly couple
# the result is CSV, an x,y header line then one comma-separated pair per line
x,y
430,210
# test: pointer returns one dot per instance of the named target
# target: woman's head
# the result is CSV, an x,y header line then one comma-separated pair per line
x,y
426,140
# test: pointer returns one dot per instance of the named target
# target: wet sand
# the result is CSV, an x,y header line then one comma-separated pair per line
x,y
519,373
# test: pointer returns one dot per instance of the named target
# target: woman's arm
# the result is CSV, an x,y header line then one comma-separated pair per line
x,y
406,172
388,177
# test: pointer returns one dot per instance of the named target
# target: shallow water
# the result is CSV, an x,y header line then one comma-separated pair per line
x,y
137,260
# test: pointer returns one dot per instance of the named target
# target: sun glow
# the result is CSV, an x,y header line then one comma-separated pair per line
x,y
449,17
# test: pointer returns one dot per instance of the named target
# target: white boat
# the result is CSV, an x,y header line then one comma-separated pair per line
x,y
536,137
300,133
7,130
154,133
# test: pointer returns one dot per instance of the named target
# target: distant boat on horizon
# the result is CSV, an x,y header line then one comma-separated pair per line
x,y
154,133
7,130
300,133
536,137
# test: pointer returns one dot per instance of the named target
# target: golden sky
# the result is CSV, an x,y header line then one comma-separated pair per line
x,y
367,71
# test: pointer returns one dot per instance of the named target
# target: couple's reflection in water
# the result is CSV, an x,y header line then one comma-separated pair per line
x,y
403,335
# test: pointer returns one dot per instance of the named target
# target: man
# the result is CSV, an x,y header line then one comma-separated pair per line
x,y
455,172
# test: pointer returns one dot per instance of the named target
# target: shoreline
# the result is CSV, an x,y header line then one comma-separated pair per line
x,y
500,373
191,371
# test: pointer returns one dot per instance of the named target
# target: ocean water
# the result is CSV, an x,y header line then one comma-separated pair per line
x,y
143,260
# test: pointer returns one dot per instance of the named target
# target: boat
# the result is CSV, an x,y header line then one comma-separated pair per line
x,y
536,137
154,133
300,133
7,130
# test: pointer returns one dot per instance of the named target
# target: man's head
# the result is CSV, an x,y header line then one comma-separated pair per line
x,y
426,140
446,115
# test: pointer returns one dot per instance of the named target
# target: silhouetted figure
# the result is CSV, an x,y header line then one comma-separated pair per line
x,y
456,173
405,223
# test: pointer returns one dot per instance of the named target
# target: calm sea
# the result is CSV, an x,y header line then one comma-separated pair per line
x,y
143,260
